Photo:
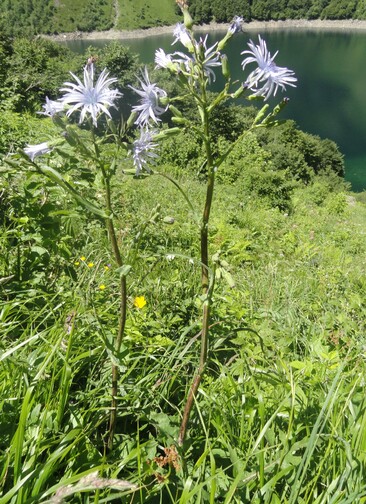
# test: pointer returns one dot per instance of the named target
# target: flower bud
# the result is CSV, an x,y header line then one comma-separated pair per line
x,y
223,42
179,120
239,91
166,133
131,119
164,100
225,66
175,111
187,19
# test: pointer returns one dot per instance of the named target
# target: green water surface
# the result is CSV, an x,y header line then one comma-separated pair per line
x,y
330,98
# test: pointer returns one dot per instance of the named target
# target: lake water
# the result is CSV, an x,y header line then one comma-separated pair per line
x,y
330,99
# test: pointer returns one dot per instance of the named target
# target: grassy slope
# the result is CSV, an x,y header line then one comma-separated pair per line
x,y
72,15
146,13
269,392
132,14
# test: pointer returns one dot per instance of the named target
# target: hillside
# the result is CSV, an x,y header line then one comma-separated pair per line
x,y
30,17
182,284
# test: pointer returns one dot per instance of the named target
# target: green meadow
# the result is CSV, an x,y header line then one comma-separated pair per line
x,y
134,14
279,413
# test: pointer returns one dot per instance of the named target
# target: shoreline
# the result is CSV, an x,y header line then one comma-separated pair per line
x,y
290,24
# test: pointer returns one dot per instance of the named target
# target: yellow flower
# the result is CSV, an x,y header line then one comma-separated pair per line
x,y
102,287
82,258
76,263
106,267
90,264
139,302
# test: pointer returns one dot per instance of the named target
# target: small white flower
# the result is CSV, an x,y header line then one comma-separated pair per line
x,y
143,150
206,57
236,25
51,107
90,99
212,58
149,107
267,71
182,34
162,59
33,151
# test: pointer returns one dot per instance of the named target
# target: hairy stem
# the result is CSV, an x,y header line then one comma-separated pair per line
x,y
205,281
122,313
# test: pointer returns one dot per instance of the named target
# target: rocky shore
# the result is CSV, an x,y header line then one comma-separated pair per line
x,y
301,24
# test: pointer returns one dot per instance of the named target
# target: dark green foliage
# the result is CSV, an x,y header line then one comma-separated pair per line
x,y
93,16
223,11
26,17
271,187
265,10
201,11
118,59
34,69
301,154
266,164
30,17
38,251
340,9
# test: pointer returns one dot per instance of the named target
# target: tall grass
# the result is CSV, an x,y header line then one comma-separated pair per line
x,y
281,412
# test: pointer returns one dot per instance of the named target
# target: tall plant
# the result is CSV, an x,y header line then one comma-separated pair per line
x,y
194,70
100,146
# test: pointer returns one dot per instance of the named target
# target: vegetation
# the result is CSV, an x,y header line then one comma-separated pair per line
x,y
27,17
280,413
146,14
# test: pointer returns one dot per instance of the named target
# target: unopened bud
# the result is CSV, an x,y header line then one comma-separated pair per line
x,y
166,133
225,66
187,19
175,111
164,100
240,91
179,120
131,119
221,45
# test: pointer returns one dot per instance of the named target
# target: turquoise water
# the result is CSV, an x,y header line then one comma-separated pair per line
x,y
330,99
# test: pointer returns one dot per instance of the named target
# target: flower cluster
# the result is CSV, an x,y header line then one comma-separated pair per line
x,y
202,58
92,99
263,81
88,98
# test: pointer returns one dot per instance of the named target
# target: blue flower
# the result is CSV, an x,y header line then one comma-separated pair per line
x,y
149,107
267,77
90,99
143,150
33,151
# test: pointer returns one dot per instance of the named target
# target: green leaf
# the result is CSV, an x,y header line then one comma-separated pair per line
x,y
54,175
124,270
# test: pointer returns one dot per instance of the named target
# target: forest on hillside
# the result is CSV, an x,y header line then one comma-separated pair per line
x,y
31,17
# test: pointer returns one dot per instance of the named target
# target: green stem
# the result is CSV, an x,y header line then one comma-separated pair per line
x,y
180,189
122,314
207,288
